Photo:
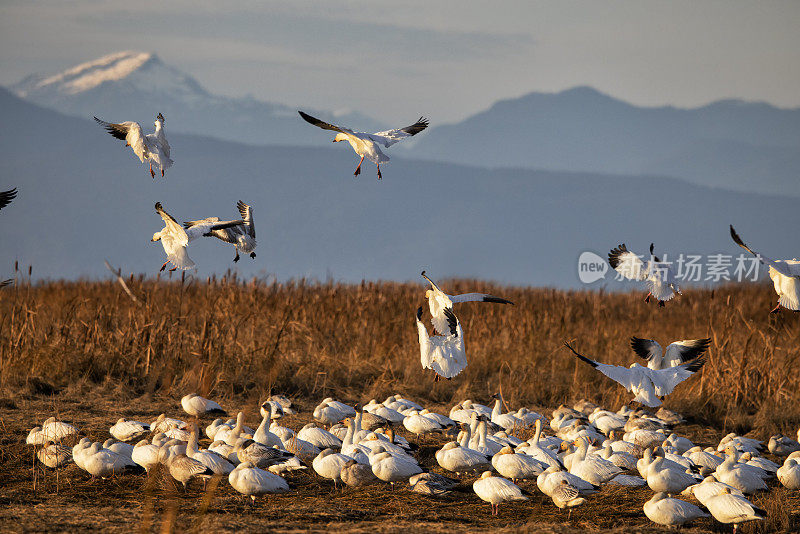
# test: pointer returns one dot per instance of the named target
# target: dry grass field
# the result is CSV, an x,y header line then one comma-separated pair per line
x,y
89,353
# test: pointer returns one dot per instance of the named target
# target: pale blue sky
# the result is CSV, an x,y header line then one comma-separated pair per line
x,y
445,59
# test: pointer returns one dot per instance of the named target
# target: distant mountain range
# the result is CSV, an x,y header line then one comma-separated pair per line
x,y
84,197
138,85
731,144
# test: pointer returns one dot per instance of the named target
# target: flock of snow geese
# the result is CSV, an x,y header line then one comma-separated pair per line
x,y
589,446
586,447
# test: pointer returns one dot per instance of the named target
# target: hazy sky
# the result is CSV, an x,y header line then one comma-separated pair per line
x,y
444,59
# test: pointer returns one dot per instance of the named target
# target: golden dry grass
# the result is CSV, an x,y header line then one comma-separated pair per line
x,y
80,348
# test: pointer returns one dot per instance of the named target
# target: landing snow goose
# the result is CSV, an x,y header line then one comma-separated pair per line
x,y
789,474
145,454
658,276
128,430
241,234
54,455
445,354
728,508
670,512
7,196
175,239
328,464
356,474
646,384
785,275
458,459
251,481
151,147
194,404
496,490
367,145
677,352
516,466
439,301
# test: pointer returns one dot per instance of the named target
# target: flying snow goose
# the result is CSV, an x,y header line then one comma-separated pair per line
x,y
439,301
251,481
242,234
785,275
444,354
646,384
7,196
496,490
677,352
152,147
366,145
175,239
659,277
670,512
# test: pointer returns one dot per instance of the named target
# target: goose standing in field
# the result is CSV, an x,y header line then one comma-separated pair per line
x,y
259,455
241,235
439,302
328,464
7,196
54,455
445,354
357,474
145,454
210,459
151,147
194,404
677,352
670,512
496,490
128,430
182,468
175,239
658,276
728,508
649,386
566,496
251,481
785,275
366,145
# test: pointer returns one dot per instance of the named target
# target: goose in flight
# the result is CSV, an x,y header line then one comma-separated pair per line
x,y
174,238
785,275
439,301
152,147
658,276
7,196
649,386
443,354
366,145
241,236
677,352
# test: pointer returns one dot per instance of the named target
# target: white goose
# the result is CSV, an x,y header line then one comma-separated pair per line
x,y
729,508
319,437
670,512
328,464
445,354
252,481
458,459
677,352
553,476
646,384
145,454
54,455
516,466
152,147
241,236
210,459
392,468
194,404
127,430
163,423
496,490
785,275
659,277
745,478
367,145
789,474
264,435
592,468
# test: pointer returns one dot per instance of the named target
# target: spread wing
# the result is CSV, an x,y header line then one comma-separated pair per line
x,y
621,375
627,263
7,196
666,379
213,227
172,226
685,350
322,124
8,282
390,137
452,321
478,297
130,132
247,215
648,349
779,266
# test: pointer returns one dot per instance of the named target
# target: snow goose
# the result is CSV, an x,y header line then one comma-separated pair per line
x,y
194,404
458,459
7,196
128,430
182,468
175,239
677,352
663,510
789,474
419,424
709,487
728,508
357,474
537,452
251,481
366,145
263,435
103,463
482,443
781,445
552,477
745,478
516,466
145,454
680,443
241,234
627,480
319,437
592,468
231,435
257,454
439,302
329,413
507,421
566,496
393,416
649,386
431,484
658,276
496,490
703,458
151,147
785,275
123,449
54,455
621,459
666,479
210,459
225,450
79,452
606,421
392,468
751,459
445,354
164,423
328,464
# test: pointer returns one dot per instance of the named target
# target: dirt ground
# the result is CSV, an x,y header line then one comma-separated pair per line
x,y
33,499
